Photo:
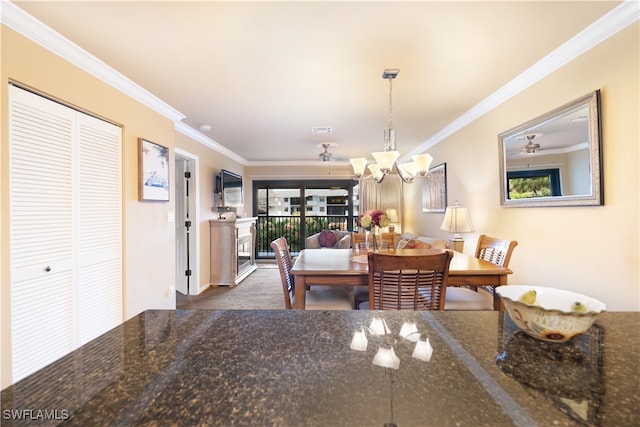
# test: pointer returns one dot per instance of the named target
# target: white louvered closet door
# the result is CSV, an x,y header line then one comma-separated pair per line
x,y
65,275
99,290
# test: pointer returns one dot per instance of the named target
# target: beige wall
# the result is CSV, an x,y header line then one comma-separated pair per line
x,y
593,250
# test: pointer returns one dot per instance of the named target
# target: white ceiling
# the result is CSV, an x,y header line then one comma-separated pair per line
x,y
262,74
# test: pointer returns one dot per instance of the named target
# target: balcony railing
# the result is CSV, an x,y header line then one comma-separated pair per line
x,y
270,228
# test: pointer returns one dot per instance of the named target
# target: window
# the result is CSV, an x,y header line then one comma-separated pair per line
x,y
307,212
536,183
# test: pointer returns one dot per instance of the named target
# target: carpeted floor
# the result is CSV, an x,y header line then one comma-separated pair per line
x,y
262,290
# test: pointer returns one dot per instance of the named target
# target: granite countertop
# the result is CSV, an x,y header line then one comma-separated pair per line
x,y
295,368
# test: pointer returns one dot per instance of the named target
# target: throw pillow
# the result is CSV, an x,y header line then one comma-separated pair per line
x,y
416,244
327,239
345,242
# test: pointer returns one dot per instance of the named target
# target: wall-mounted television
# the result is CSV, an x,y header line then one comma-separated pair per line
x,y
231,184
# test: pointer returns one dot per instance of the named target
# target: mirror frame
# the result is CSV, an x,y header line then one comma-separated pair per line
x,y
596,198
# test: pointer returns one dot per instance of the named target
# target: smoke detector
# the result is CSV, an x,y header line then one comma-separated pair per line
x,y
321,130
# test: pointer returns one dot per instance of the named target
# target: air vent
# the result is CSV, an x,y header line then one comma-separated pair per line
x,y
321,129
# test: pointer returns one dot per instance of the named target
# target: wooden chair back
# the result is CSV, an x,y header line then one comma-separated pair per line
x,y
494,250
285,263
389,238
357,238
408,282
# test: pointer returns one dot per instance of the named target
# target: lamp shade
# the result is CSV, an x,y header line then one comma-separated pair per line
x,y
379,326
423,162
423,350
386,358
409,331
376,173
385,159
358,165
359,341
392,213
456,220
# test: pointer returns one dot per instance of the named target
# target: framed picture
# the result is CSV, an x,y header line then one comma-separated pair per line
x,y
153,171
434,189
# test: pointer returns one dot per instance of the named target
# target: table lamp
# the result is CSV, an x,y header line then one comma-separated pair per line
x,y
456,220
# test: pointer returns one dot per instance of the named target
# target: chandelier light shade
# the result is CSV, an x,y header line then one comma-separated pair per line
x,y
386,358
422,350
359,165
456,220
379,326
376,173
386,355
409,331
359,341
386,160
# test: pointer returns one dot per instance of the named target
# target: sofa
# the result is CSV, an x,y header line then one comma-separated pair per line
x,y
336,239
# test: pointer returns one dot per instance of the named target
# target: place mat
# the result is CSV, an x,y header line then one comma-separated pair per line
x,y
362,258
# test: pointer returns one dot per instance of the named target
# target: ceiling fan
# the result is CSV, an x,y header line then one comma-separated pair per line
x,y
530,147
327,156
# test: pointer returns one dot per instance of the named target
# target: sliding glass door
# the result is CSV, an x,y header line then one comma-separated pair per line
x,y
298,209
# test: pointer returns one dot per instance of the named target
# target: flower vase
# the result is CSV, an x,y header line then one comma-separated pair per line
x,y
374,239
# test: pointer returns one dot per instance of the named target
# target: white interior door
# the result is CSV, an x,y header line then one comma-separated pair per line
x,y
187,223
182,231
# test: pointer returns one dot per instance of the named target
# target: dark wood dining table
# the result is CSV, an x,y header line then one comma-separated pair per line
x,y
348,267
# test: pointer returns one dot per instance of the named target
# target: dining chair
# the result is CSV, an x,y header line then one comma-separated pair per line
x,y
389,238
386,240
407,282
493,250
317,297
358,239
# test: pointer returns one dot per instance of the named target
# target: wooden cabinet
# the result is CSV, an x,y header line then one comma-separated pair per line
x,y
232,254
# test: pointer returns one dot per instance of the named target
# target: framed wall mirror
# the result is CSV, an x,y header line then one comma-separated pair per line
x,y
554,159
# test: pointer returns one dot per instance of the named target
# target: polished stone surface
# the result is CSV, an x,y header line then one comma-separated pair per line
x,y
295,368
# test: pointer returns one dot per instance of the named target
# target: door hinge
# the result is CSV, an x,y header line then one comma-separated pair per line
x,y
187,272
187,174
187,223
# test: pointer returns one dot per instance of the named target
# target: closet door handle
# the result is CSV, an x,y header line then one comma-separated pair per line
x,y
47,269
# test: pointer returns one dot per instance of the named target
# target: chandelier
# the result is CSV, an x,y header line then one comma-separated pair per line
x,y
386,160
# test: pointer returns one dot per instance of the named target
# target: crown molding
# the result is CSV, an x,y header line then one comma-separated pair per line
x,y
187,130
18,20
609,24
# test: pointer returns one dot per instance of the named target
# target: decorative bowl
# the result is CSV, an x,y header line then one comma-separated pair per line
x,y
552,316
